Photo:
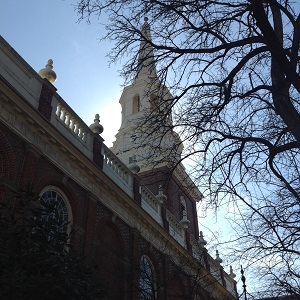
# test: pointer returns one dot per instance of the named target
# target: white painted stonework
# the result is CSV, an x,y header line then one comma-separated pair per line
x,y
151,145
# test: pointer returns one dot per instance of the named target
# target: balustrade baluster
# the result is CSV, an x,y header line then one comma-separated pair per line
x,y
119,170
84,136
58,109
63,115
68,119
115,166
110,162
80,132
72,126
76,127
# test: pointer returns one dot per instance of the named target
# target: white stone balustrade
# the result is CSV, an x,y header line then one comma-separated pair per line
x,y
230,286
215,269
151,204
117,171
197,250
150,199
176,229
75,125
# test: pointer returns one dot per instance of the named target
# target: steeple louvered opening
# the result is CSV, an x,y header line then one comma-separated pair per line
x,y
136,104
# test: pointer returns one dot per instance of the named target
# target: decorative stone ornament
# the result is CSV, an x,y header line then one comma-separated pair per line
x,y
47,72
218,259
231,274
184,221
160,196
96,127
133,166
202,242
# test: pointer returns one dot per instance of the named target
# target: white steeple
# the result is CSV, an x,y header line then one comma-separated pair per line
x,y
146,64
146,98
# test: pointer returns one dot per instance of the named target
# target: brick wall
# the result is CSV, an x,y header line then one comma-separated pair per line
x,y
101,235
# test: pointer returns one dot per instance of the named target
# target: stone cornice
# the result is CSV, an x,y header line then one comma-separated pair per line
x,y
185,180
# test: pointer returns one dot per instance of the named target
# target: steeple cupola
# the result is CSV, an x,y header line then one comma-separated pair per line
x,y
146,99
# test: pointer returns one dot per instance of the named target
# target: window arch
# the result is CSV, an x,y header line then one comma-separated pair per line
x,y
147,282
52,196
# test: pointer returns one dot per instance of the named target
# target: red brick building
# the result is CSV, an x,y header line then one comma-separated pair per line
x,y
142,233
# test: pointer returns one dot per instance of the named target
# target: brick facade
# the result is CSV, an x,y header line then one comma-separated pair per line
x,y
106,240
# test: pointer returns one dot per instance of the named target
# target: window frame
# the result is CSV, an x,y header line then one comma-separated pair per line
x,y
51,188
148,290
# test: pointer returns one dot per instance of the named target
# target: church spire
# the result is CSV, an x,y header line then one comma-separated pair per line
x,y
146,97
146,63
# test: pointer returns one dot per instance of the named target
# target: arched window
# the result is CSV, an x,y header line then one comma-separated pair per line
x,y
136,104
183,209
109,257
147,284
57,208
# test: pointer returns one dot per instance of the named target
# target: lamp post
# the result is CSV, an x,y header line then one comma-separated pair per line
x,y
244,283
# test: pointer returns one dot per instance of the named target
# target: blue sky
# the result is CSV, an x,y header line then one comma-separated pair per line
x,y
41,29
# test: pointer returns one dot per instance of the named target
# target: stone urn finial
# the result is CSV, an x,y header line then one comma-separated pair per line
x,y
133,166
47,72
218,259
161,197
202,242
231,274
96,127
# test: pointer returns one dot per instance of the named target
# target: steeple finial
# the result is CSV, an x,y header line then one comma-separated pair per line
x,y
146,62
